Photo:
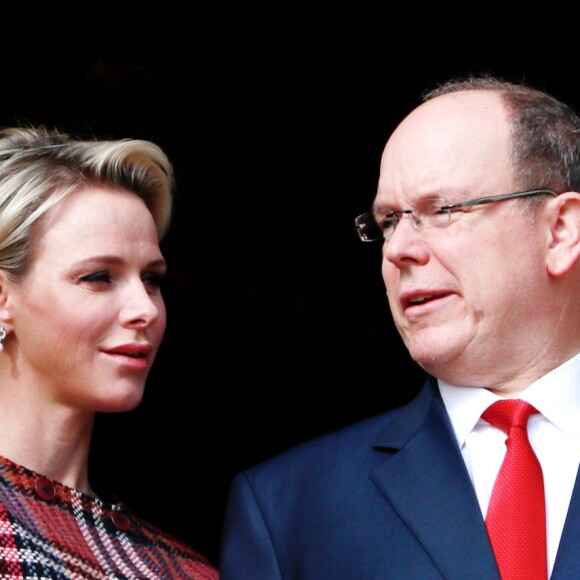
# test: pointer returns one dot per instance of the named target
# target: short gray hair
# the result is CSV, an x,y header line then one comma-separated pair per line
x,y
545,131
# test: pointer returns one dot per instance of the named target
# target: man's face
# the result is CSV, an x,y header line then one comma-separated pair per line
x,y
461,296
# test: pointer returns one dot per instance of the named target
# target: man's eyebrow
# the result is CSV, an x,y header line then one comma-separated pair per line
x,y
384,208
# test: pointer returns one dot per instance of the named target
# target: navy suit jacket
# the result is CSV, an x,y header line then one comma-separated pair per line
x,y
388,497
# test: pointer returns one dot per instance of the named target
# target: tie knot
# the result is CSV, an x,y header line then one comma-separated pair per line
x,y
509,413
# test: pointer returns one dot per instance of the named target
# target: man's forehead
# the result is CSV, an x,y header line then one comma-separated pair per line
x,y
457,116
454,146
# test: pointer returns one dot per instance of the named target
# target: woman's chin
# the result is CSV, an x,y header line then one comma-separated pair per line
x,y
120,402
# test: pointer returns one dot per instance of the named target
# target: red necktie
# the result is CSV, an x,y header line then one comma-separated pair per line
x,y
516,517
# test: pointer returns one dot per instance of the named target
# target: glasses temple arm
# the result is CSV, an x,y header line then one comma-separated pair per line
x,y
493,198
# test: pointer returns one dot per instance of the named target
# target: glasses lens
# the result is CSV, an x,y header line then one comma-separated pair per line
x,y
367,228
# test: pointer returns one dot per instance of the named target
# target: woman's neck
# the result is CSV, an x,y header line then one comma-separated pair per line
x,y
49,439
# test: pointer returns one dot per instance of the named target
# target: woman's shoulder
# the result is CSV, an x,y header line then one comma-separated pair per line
x,y
165,547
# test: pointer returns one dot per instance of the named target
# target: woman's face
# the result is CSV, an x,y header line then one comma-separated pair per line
x,y
88,317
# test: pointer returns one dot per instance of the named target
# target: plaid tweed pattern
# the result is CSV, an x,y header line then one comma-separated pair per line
x,y
51,531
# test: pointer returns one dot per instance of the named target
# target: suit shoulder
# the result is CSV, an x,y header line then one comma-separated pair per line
x,y
347,442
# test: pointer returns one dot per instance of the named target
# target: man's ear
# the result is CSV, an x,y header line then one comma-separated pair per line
x,y
564,233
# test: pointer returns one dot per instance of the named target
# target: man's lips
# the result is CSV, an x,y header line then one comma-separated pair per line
x,y
421,297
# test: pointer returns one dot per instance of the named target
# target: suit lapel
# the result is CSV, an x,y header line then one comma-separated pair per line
x,y
567,564
425,480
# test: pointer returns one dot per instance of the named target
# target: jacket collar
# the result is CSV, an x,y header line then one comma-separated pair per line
x,y
426,482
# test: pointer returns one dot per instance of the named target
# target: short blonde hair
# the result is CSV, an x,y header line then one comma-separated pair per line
x,y
39,167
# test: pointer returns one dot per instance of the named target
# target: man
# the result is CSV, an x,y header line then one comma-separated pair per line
x,y
483,287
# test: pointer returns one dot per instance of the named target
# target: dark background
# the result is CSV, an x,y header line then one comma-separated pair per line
x,y
278,326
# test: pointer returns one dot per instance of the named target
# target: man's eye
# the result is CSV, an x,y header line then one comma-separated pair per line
x,y
389,223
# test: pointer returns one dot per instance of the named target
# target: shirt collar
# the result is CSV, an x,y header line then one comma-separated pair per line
x,y
556,395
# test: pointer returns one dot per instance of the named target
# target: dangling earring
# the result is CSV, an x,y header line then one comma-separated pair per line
x,y
2,337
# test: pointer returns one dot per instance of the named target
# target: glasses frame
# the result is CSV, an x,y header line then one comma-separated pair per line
x,y
448,208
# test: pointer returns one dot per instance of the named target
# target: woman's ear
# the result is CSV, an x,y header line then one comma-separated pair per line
x,y
5,302
564,233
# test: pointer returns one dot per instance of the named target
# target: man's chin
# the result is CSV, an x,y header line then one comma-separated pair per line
x,y
437,355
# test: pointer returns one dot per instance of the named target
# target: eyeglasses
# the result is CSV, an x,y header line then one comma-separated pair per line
x,y
431,213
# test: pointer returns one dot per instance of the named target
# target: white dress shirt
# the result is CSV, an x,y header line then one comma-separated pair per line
x,y
554,435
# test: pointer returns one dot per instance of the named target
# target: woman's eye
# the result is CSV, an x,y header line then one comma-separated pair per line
x,y
155,280
96,277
